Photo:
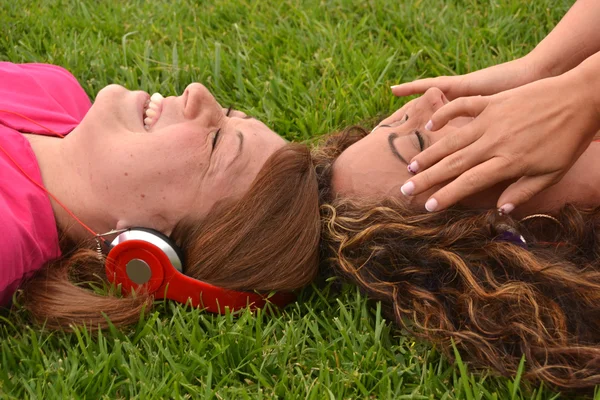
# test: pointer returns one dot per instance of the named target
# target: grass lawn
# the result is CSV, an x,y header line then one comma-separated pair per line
x,y
305,68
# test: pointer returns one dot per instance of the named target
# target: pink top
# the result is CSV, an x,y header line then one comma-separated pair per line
x,y
52,97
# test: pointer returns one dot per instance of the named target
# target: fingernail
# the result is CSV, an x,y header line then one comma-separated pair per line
x,y
507,208
408,188
413,167
428,125
394,86
431,204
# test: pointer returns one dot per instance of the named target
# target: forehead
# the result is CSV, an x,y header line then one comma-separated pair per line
x,y
257,139
367,169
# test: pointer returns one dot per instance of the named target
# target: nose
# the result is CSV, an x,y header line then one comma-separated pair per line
x,y
200,103
435,99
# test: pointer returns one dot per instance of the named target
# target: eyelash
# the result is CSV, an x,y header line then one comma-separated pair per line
x,y
214,142
421,141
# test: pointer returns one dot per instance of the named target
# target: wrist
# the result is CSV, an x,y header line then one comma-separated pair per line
x,y
541,66
589,81
584,83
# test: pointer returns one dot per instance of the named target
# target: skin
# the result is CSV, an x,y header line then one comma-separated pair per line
x,y
112,173
370,169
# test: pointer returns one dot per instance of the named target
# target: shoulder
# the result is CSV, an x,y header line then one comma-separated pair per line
x,y
29,237
34,70
47,94
23,250
27,224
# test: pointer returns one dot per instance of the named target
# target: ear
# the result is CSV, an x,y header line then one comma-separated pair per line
x,y
121,224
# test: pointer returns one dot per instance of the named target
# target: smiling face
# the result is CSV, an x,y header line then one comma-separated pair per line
x,y
190,157
376,166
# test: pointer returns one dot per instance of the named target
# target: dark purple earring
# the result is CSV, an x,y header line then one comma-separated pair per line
x,y
513,237
507,233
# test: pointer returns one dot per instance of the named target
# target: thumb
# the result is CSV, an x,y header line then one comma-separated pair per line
x,y
523,190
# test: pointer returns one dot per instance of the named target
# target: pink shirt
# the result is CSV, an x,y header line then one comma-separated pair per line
x,y
52,97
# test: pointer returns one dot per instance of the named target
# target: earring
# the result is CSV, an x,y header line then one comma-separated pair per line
x,y
506,233
551,218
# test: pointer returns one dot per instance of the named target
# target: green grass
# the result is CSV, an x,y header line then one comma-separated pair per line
x,y
305,68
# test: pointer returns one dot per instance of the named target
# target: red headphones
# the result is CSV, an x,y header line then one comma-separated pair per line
x,y
145,258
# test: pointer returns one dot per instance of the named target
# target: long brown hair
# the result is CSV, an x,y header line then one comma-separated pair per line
x,y
267,240
443,277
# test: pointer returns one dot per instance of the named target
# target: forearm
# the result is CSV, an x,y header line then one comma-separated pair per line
x,y
586,81
575,38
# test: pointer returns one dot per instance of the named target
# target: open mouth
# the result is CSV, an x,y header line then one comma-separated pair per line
x,y
152,110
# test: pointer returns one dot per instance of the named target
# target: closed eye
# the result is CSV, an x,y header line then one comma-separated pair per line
x,y
214,142
421,141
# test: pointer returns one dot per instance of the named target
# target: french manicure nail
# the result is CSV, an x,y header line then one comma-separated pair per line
x,y
428,125
431,204
408,188
413,167
507,208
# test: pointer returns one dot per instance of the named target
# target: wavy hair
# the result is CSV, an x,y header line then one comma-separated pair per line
x,y
443,277
267,240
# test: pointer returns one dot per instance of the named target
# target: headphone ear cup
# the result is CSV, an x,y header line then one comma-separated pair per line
x,y
172,252
135,264
161,240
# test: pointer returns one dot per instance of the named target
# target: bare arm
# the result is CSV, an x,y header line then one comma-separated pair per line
x,y
575,38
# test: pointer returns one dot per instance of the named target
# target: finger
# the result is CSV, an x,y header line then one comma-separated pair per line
x,y
476,179
524,189
420,86
446,146
463,106
447,169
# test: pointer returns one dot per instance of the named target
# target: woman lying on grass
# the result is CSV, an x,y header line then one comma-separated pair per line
x,y
464,274
500,287
240,202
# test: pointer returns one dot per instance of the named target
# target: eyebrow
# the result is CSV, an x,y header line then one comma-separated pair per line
x,y
393,136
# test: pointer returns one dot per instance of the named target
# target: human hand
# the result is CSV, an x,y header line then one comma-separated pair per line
x,y
533,133
486,81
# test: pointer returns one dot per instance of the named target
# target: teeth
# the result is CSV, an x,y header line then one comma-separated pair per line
x,y
157,98
152,110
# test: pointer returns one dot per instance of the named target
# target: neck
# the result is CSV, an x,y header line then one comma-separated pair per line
x,y
580,186
63,178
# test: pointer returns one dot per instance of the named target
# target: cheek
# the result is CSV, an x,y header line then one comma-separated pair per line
x,y
420,199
